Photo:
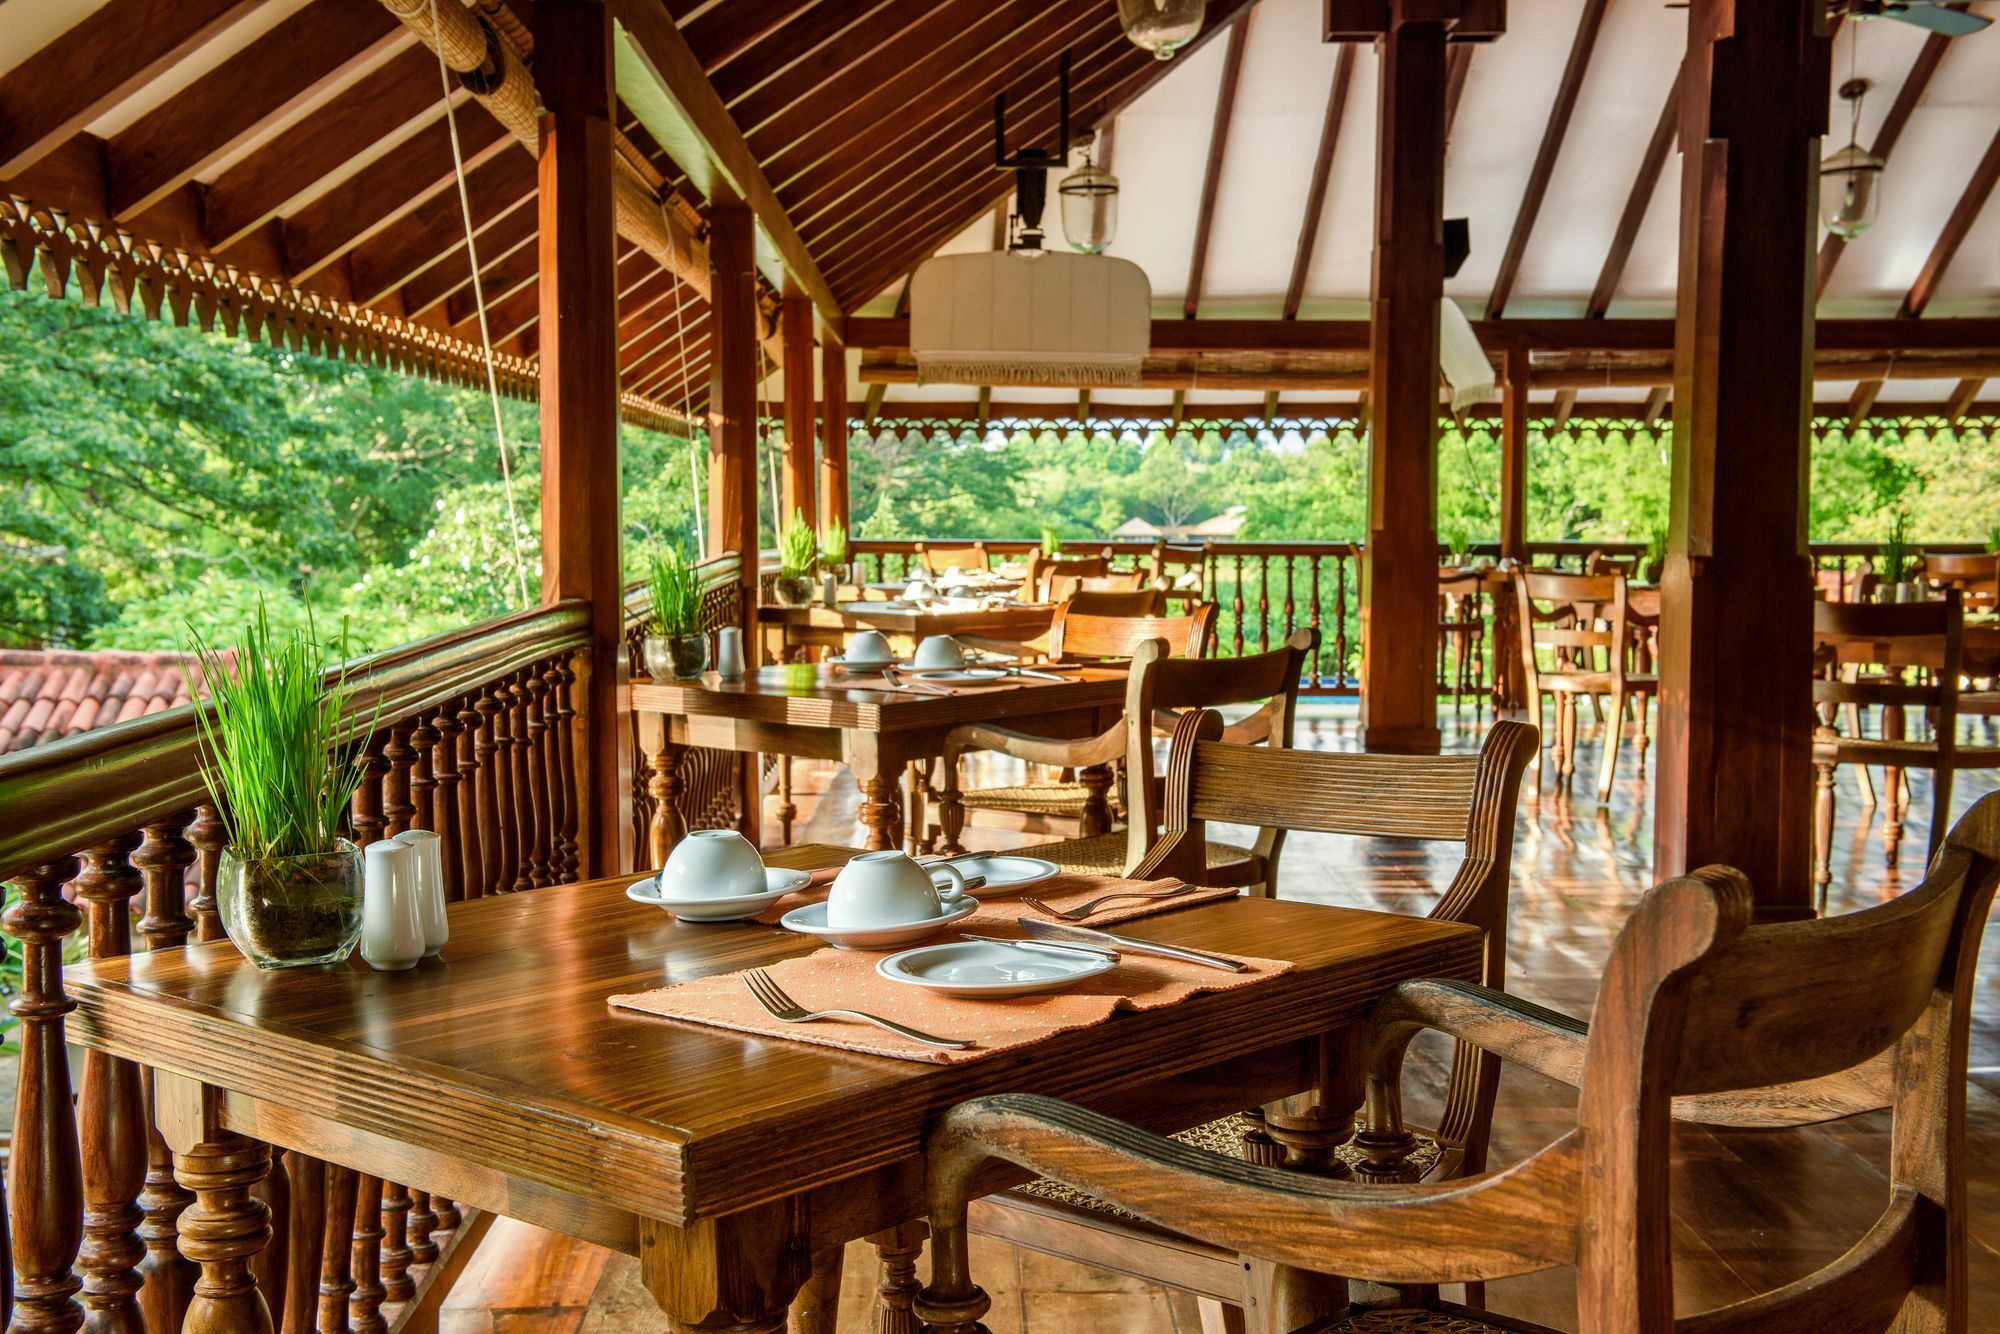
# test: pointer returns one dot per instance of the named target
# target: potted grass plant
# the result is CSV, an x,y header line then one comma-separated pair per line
x,y
833,550
674,648
798,547
1898,573
281,780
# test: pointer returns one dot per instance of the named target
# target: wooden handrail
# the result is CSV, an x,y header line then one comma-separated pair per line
x,y
72,793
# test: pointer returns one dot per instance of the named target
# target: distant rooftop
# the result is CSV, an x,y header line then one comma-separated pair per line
x,y
48,694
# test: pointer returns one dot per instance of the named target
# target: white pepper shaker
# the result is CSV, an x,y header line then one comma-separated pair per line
x,y
729,653
392,933
427,860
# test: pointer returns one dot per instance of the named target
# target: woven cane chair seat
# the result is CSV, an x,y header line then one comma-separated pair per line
x,y
1030,799
1410,1320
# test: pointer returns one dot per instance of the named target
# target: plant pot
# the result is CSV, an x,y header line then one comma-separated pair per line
x,y
674,657
793,590
286,912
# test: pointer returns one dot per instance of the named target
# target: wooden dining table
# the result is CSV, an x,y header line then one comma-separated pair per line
x,y
814,711
906,626
497,1076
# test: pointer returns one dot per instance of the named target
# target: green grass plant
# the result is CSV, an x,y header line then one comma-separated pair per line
x,y
833,543
676,594
271,749
1896,559
797,546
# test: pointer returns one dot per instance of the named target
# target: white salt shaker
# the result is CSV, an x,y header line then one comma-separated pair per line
x,y
427,859
830,589
392,932
729,653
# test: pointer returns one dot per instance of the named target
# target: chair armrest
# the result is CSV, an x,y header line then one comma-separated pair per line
x,y
1472,1229
1100,749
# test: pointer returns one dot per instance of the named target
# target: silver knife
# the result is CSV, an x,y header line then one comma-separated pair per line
x,y
1039,676
1051,946
1091,935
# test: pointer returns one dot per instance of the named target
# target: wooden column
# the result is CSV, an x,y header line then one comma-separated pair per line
x,y
579,370
732,398
801,467
834,495
1514,454
1735,777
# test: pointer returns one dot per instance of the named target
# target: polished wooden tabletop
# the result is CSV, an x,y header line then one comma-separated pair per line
x,y
818,695
503,1054
996,619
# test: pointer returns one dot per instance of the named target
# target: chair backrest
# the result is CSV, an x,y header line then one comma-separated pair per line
x,y
1975,574
1171,562
1696,1001
1042,568
1893,635
1841,586
1074,634
1570,623
1124,602
1063,587
937,559
1604,562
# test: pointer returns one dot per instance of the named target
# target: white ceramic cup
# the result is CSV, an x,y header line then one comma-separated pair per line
x,y
941,651
920,590
712,864
870,646
879,889
427,858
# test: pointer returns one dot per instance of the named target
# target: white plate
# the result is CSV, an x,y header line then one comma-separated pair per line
x,y
975,968
734,908
1005,873
811,921
955,676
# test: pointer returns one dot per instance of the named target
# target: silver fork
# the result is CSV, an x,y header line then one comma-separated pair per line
x,y
916,684
1083,910
781,1006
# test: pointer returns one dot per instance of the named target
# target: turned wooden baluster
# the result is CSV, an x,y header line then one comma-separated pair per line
x,y
305,1255
423,778
397,808
336,1272
559,794
496,851
393,1254
518,814
533,690
111,1111
471,842
394,1264
367,805
364,1308
446,805
44,1172
223,1231
209,838
167,1277
566,767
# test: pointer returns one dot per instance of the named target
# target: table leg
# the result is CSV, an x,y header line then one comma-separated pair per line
x,y
897,1288
913,825
667,826
879,811
224,1230
788,810
1894,728
731,1275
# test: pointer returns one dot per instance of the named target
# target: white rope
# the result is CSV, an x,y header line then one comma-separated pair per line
x,y
687,380
479,299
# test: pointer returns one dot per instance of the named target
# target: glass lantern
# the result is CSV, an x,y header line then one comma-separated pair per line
x,y
1089,208
1850,190
1161,26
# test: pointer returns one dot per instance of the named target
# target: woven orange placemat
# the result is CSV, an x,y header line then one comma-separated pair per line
x,y
1059,892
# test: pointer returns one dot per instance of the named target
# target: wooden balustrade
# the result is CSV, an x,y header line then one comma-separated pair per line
x,y
474,736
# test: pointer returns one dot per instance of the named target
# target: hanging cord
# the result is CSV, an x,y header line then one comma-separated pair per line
x,y
687,376
485,335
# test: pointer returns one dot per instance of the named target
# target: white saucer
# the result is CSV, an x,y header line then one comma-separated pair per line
x,y
975,968
1005,873
956,676
733,908
811,921
842,664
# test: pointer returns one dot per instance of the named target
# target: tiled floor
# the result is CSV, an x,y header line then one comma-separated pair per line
x,y
1758,1208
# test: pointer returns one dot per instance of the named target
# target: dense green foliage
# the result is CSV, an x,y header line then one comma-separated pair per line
x,y
154,478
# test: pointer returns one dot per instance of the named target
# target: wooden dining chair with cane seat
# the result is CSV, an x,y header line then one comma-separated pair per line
x,y
1042,568
1700,1016
1124,604
1080,800
1461,634
1574,635
1180,570
1063,587
939,557
1899,656
1463,799
1976,576
1155,701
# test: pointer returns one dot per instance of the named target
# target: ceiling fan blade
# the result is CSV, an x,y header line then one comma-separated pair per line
x,y
1949,22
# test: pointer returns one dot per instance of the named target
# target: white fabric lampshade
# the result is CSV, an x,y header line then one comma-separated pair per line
x,y
1054,319
1467,368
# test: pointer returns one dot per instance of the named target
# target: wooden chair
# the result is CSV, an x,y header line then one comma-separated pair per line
x,y
937,559
1063,587
1180,569
1700,1015
1079,802
1573,631
1885,641
1118,602
1461,634
1156,704
1976,576
1043,568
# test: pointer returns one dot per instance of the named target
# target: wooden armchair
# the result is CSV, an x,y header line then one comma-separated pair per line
x,y
1976,576
1063,587
937,559
1700,1015
1574,641
1465,799
1042,568
1180,570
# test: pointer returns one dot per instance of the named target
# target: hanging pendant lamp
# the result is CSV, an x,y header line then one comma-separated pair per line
x,y
1161,26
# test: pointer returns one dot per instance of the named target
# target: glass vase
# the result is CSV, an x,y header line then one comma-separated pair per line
x,y
287,912
675,657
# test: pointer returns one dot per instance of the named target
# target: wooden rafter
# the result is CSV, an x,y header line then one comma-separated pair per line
x,y
501,187
1329,140
452,272
1862,401
1637,201
1457,68
1956,225
725,32
807,83
1565,406
1218,145
1907,97
785,50
1962,396
1567,91
1656,404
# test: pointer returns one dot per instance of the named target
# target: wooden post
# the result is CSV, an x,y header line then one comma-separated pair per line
x,y
1735,773
1514,454
801,469
732,398
579,369
834,500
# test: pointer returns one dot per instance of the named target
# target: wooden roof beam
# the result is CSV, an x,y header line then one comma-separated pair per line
x,y
1637,201
452,272
1962,396
1656,404
1907,98
501,187
1565,408
1218,145
1329,140
1862,401
785,50
663,69
1956,225
1567,91
88,70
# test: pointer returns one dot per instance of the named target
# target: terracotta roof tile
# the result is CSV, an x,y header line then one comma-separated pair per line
x,y
46,694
